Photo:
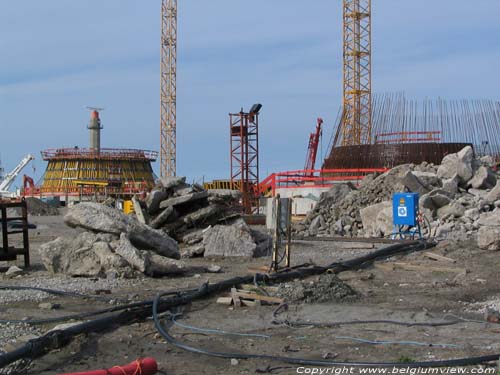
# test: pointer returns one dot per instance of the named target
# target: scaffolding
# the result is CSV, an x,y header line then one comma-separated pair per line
x,y
113,172
244,142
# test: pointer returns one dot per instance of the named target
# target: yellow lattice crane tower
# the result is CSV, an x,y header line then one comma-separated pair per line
x,y
357,102
168,90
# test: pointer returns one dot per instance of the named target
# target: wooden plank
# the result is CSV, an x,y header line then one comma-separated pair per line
x,y
425,268
260,297
225,301
235,297
439,257
252,287
262,270
250,303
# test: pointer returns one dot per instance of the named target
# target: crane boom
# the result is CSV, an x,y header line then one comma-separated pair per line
x,y
312,150
10,177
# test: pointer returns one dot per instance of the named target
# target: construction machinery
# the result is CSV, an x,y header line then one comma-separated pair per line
x,y
312,149
10,177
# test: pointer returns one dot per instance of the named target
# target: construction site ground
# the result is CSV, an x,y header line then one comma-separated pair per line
x,y
435,291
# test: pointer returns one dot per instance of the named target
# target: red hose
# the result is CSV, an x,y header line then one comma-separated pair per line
x,y
146,366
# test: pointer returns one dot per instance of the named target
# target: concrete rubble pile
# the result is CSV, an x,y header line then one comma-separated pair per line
x,y
204,222
460,197
117,245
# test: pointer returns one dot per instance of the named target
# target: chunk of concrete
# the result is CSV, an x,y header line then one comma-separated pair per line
x,y
166,216
185,199
494,194
234,240
193,237
413,183
145,238
97,218
454,209
316,224
488,238
490,219
131,254
171,182
429,179
100,218
153,200
372,223
160,266
336,193
451,184
483,178
14,271
207,215
193,251
71,256
225,194
460,164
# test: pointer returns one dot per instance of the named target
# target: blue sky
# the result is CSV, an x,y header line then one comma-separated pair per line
x,y
58,56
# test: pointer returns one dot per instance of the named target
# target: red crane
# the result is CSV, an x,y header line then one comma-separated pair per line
x,y
312,150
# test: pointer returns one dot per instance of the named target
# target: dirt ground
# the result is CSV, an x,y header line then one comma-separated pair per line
x,y
436,291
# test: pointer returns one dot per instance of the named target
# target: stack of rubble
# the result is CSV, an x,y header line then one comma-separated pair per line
x,y
203,222
461,198
119,245
36,207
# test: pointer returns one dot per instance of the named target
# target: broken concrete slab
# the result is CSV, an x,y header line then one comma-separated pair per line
x,y
203,215
494,194
193,236
108,259
99,218
451,184
161,266
453,209
428,179
193,251
131,254
74,256
483,178
167,215
234,240
225,194
154,199
490,219
488,238
171,182
336,193
413,183
190,198
459,164
372,225
316,224
145,238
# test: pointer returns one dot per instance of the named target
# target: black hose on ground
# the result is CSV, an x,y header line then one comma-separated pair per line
x,y
58,339
310,362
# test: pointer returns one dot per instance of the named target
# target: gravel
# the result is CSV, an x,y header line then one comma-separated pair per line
x,y
485,306
15,334
323,288
63,283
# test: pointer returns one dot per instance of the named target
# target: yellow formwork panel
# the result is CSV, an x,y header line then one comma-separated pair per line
x,y
61,175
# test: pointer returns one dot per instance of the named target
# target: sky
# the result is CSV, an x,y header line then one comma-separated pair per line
x,y
59,56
